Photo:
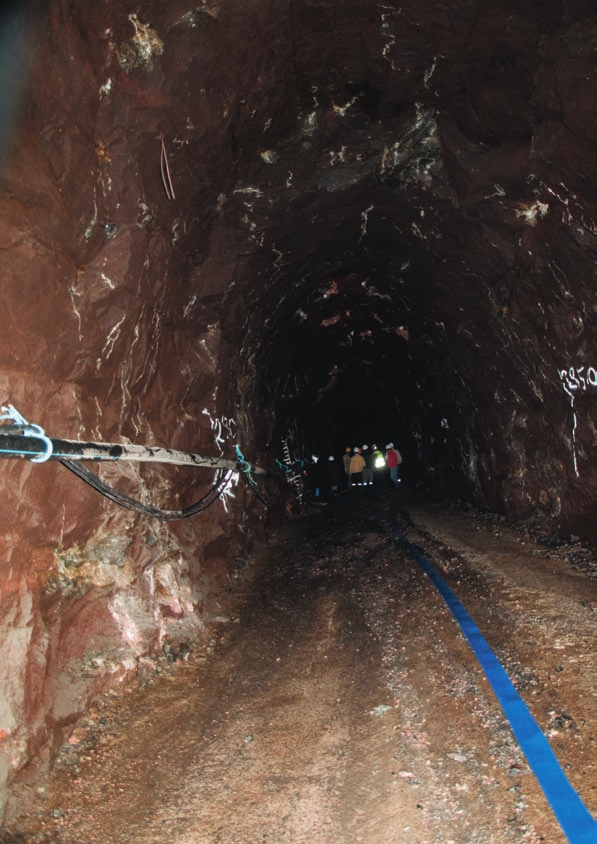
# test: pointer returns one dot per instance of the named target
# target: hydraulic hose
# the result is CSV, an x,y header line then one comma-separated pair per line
x,y
14,445
19,439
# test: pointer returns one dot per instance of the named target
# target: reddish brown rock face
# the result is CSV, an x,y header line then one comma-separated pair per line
x,y
223,223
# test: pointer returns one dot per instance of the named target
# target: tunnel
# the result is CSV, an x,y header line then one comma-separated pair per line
x,y
278,229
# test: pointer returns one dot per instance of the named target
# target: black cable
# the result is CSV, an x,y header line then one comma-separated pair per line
x,y
124,500
267,502
22,440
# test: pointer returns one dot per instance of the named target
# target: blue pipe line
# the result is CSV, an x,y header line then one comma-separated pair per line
x,y
576,821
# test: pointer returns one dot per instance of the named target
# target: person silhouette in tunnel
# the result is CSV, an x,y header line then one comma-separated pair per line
x,y
333,474
393,461
378,463
346,461
368,468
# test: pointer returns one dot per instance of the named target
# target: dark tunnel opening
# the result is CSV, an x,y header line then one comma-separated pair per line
x,y
400,278
351,345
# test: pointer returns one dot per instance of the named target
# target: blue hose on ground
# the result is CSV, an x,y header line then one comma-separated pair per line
x,y
576,821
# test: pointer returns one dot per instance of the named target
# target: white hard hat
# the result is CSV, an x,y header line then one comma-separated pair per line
x,y
390,445
331,457
365,447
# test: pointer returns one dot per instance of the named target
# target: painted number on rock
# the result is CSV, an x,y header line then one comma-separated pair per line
x,y
578,378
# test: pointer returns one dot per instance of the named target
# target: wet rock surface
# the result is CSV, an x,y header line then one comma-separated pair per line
x,y
341,703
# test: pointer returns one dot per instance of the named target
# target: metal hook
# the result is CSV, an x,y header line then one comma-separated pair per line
x,y
18,421
36,431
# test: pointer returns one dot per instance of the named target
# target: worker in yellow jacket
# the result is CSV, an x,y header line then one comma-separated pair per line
x,y
357,464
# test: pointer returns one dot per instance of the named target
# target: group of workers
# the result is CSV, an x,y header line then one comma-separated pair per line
x,y
364,466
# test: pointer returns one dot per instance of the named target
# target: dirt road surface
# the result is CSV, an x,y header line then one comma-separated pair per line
x,y
341,702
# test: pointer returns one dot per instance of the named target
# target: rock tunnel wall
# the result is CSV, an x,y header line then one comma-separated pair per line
x,y
111,332
222,222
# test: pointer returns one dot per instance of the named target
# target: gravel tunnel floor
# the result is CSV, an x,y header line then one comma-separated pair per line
x,y
341,702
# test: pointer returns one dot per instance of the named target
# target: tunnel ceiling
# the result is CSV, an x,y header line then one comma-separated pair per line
x,y
353,218
416,248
